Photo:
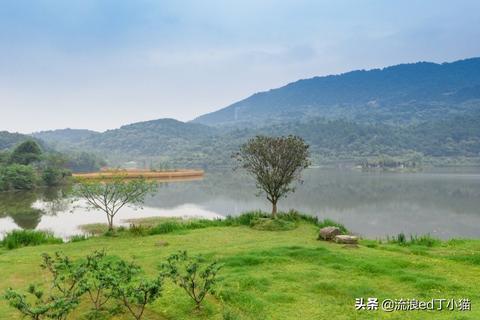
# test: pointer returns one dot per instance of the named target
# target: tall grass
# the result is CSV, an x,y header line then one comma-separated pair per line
x,y
23,238
246,219
424,240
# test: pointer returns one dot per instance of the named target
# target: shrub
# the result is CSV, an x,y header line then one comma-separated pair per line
x,y
136,294
52,176
63,295
104,278
194,274
17,177
23,238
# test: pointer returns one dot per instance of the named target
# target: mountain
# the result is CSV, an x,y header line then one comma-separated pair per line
x,y
401,111
401,94
162,140
9,140
64,136
179,144
152,137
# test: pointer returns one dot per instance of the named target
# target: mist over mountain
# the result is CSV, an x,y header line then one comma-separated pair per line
x,y
401,94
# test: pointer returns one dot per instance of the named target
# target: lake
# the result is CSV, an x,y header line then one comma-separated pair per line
x,y
444,203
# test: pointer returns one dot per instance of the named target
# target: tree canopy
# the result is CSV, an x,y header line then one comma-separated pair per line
x,y
26,153
113,193
275,162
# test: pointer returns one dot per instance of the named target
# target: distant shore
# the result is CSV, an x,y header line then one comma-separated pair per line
x,y
139,173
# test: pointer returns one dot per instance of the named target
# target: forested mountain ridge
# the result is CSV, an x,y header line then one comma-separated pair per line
x,y
64,136
426,109
401,94
9,140
188,144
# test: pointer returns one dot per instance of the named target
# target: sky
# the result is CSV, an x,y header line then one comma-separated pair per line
x,y
100,64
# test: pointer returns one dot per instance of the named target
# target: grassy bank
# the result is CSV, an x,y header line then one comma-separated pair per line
x,y
284,274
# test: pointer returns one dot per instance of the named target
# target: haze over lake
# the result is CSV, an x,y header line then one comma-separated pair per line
x,y
443,203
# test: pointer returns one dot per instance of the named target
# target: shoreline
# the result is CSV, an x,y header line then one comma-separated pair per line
x,y
135,174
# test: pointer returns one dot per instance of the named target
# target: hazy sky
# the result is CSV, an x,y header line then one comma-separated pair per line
x,y
99,64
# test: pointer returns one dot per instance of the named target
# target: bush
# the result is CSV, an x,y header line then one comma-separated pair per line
x,y
23,238
104,279
52,176
17,177
62,297
193,274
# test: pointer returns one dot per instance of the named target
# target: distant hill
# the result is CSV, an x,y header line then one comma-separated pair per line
x,y
64,136
151,137
402,94
162,139
195,145
9,140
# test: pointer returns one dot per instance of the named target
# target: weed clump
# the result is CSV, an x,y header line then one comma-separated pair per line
x,y
23,238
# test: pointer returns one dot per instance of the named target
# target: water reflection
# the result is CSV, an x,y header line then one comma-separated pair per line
x,y
445,204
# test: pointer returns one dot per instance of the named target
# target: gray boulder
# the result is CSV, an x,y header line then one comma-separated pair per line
x,y
328,233
346,239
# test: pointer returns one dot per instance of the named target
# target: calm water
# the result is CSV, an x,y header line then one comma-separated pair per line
x,y
443,203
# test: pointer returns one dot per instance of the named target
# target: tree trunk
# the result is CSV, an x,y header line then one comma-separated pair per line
x,y
110,223
274,210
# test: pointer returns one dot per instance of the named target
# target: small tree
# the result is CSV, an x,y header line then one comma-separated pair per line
x,y
113,194
193,274
100,279
275,162
136,294
64,295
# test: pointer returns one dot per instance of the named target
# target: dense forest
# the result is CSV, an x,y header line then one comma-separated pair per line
x,y
174,143
28,165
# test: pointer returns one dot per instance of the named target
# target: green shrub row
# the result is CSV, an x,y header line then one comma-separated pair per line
x,y
110,285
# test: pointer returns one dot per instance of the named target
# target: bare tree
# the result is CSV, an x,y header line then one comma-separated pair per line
x,y
275,162
113,193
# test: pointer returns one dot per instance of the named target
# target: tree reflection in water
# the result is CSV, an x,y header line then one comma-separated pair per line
x,y
27,208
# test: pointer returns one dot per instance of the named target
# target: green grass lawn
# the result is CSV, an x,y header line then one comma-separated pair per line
x,y
281,274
